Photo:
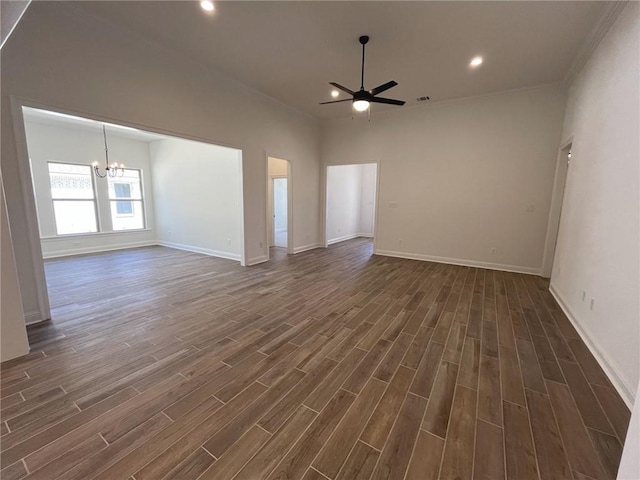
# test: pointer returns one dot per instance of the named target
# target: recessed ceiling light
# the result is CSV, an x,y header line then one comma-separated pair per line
x,y
335,93
475,62
207,5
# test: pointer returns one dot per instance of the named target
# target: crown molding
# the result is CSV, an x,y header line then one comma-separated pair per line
x,y
609,15
450,101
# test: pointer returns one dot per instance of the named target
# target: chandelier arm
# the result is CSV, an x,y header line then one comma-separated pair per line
x,y
96,170
110,171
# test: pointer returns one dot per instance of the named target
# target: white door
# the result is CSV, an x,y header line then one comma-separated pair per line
x,y
280,212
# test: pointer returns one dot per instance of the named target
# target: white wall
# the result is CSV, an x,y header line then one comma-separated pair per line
x,y
10,14
456,178
67,60
198,196
597,249
277,167
82,146
343,202
350,201
13,335
630,461
368,172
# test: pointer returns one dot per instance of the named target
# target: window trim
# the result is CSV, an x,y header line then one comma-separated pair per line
x,y
130,199
94,199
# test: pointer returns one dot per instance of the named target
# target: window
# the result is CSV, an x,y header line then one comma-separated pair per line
x,y
123,190
73,195
125,195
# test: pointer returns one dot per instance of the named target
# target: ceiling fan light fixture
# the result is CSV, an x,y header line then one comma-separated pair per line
x,y
361,105
207,5
335,93
475,62
362,99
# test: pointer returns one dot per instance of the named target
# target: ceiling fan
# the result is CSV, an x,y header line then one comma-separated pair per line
x,y
363,98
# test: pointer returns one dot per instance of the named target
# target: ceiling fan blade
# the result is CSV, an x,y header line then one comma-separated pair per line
x,y
337,101
390,101
344,89
383,87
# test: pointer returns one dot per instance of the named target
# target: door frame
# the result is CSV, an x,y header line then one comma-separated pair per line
x,y
555,210
325,199
28,194
267,210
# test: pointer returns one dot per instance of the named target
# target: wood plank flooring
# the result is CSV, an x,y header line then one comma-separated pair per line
x,y
331,364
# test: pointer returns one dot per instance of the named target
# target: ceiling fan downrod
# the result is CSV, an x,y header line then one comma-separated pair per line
x,y
363,41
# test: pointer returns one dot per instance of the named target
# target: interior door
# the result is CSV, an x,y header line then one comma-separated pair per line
x,y
280,220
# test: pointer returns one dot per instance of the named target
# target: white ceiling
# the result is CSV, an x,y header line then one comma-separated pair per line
x,y
56,119
291,50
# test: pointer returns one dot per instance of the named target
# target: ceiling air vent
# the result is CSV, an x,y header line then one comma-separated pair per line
x,y
422,99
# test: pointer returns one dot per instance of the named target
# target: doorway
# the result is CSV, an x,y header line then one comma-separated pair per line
x,y
80,209
350,202
279,230
557,201
279,205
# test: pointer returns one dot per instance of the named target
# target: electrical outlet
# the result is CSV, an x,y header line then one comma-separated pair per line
x,y
591,304
228,241
531,208
393,204
584,295
261,243
494,251
399,241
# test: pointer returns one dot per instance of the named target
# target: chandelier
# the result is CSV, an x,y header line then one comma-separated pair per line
x,y
111,170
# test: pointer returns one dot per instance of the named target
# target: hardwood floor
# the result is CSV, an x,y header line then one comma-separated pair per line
x,y
332,364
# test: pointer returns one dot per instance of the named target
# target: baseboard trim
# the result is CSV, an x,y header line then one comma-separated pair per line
x,y
31,318
349,237
342,239
458,261
257,260
97,249
305,248
607,364
204,251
